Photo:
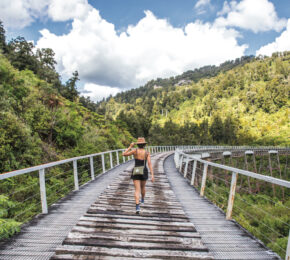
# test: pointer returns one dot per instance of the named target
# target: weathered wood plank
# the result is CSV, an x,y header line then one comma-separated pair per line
x,y
133,232
137,221
194,245
131,226
84,251
138,217
137,237
111,229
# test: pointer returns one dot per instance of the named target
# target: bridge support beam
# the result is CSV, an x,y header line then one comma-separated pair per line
x,y
203,182
43,191
232,196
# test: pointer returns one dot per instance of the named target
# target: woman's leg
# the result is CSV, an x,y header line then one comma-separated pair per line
x,y
137,190
143,190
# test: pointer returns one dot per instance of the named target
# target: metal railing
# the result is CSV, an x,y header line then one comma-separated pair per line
x,y
199,160
72,169
107,159
47,183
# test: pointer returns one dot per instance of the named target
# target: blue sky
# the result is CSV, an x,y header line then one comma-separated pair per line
x,y
117,45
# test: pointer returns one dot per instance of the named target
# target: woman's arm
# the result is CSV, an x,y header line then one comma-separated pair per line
x,y
150,167
128,152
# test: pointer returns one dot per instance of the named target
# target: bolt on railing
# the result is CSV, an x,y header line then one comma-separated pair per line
x,y
182,160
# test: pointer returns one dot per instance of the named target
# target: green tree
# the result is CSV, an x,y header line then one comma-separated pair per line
x,y
21,56
3,45
230,131
46,67
70,90
217,129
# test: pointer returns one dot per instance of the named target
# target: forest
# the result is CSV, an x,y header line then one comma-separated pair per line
x,y
43,119
245,102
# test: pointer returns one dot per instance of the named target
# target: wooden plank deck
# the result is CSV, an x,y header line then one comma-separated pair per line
x,y
99,222
39,238
111,230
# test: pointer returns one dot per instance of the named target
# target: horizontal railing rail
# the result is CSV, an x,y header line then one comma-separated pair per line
x,y
183,157
45,176
108,160
269,179
113,153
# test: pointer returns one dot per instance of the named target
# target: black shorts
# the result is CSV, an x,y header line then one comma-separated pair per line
x,y
143,177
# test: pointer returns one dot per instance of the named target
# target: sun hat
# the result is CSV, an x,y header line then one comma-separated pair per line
x,y
141,140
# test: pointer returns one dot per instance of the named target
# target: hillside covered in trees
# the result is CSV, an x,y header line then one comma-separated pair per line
x,y
42,119
243,102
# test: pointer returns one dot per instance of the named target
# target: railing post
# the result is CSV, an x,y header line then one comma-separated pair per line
x,y
103,162
288,248
180,163
124,158
117,154
76,178
232,196
203,182
185,168
92,167
43,191
193,172
111,160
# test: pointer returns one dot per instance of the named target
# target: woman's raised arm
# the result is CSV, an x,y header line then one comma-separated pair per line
x,y
128,152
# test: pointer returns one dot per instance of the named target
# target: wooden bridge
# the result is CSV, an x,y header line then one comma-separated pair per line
x,y
98,221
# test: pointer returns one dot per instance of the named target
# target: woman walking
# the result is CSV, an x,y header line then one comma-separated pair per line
x,y
140,171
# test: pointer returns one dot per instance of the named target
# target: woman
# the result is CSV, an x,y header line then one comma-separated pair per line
x,y
141,157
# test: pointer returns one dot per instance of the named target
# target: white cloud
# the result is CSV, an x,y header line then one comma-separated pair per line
x,y
14,13
281,43
201,3
254,15
21,13
98,92
66,10
152,48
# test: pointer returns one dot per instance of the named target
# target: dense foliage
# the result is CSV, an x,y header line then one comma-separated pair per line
x,y
248,104
42,120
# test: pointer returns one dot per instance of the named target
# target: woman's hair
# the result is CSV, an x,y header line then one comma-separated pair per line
x,y
141,145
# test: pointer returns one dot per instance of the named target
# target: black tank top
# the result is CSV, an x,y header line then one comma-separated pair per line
x,y
139,162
